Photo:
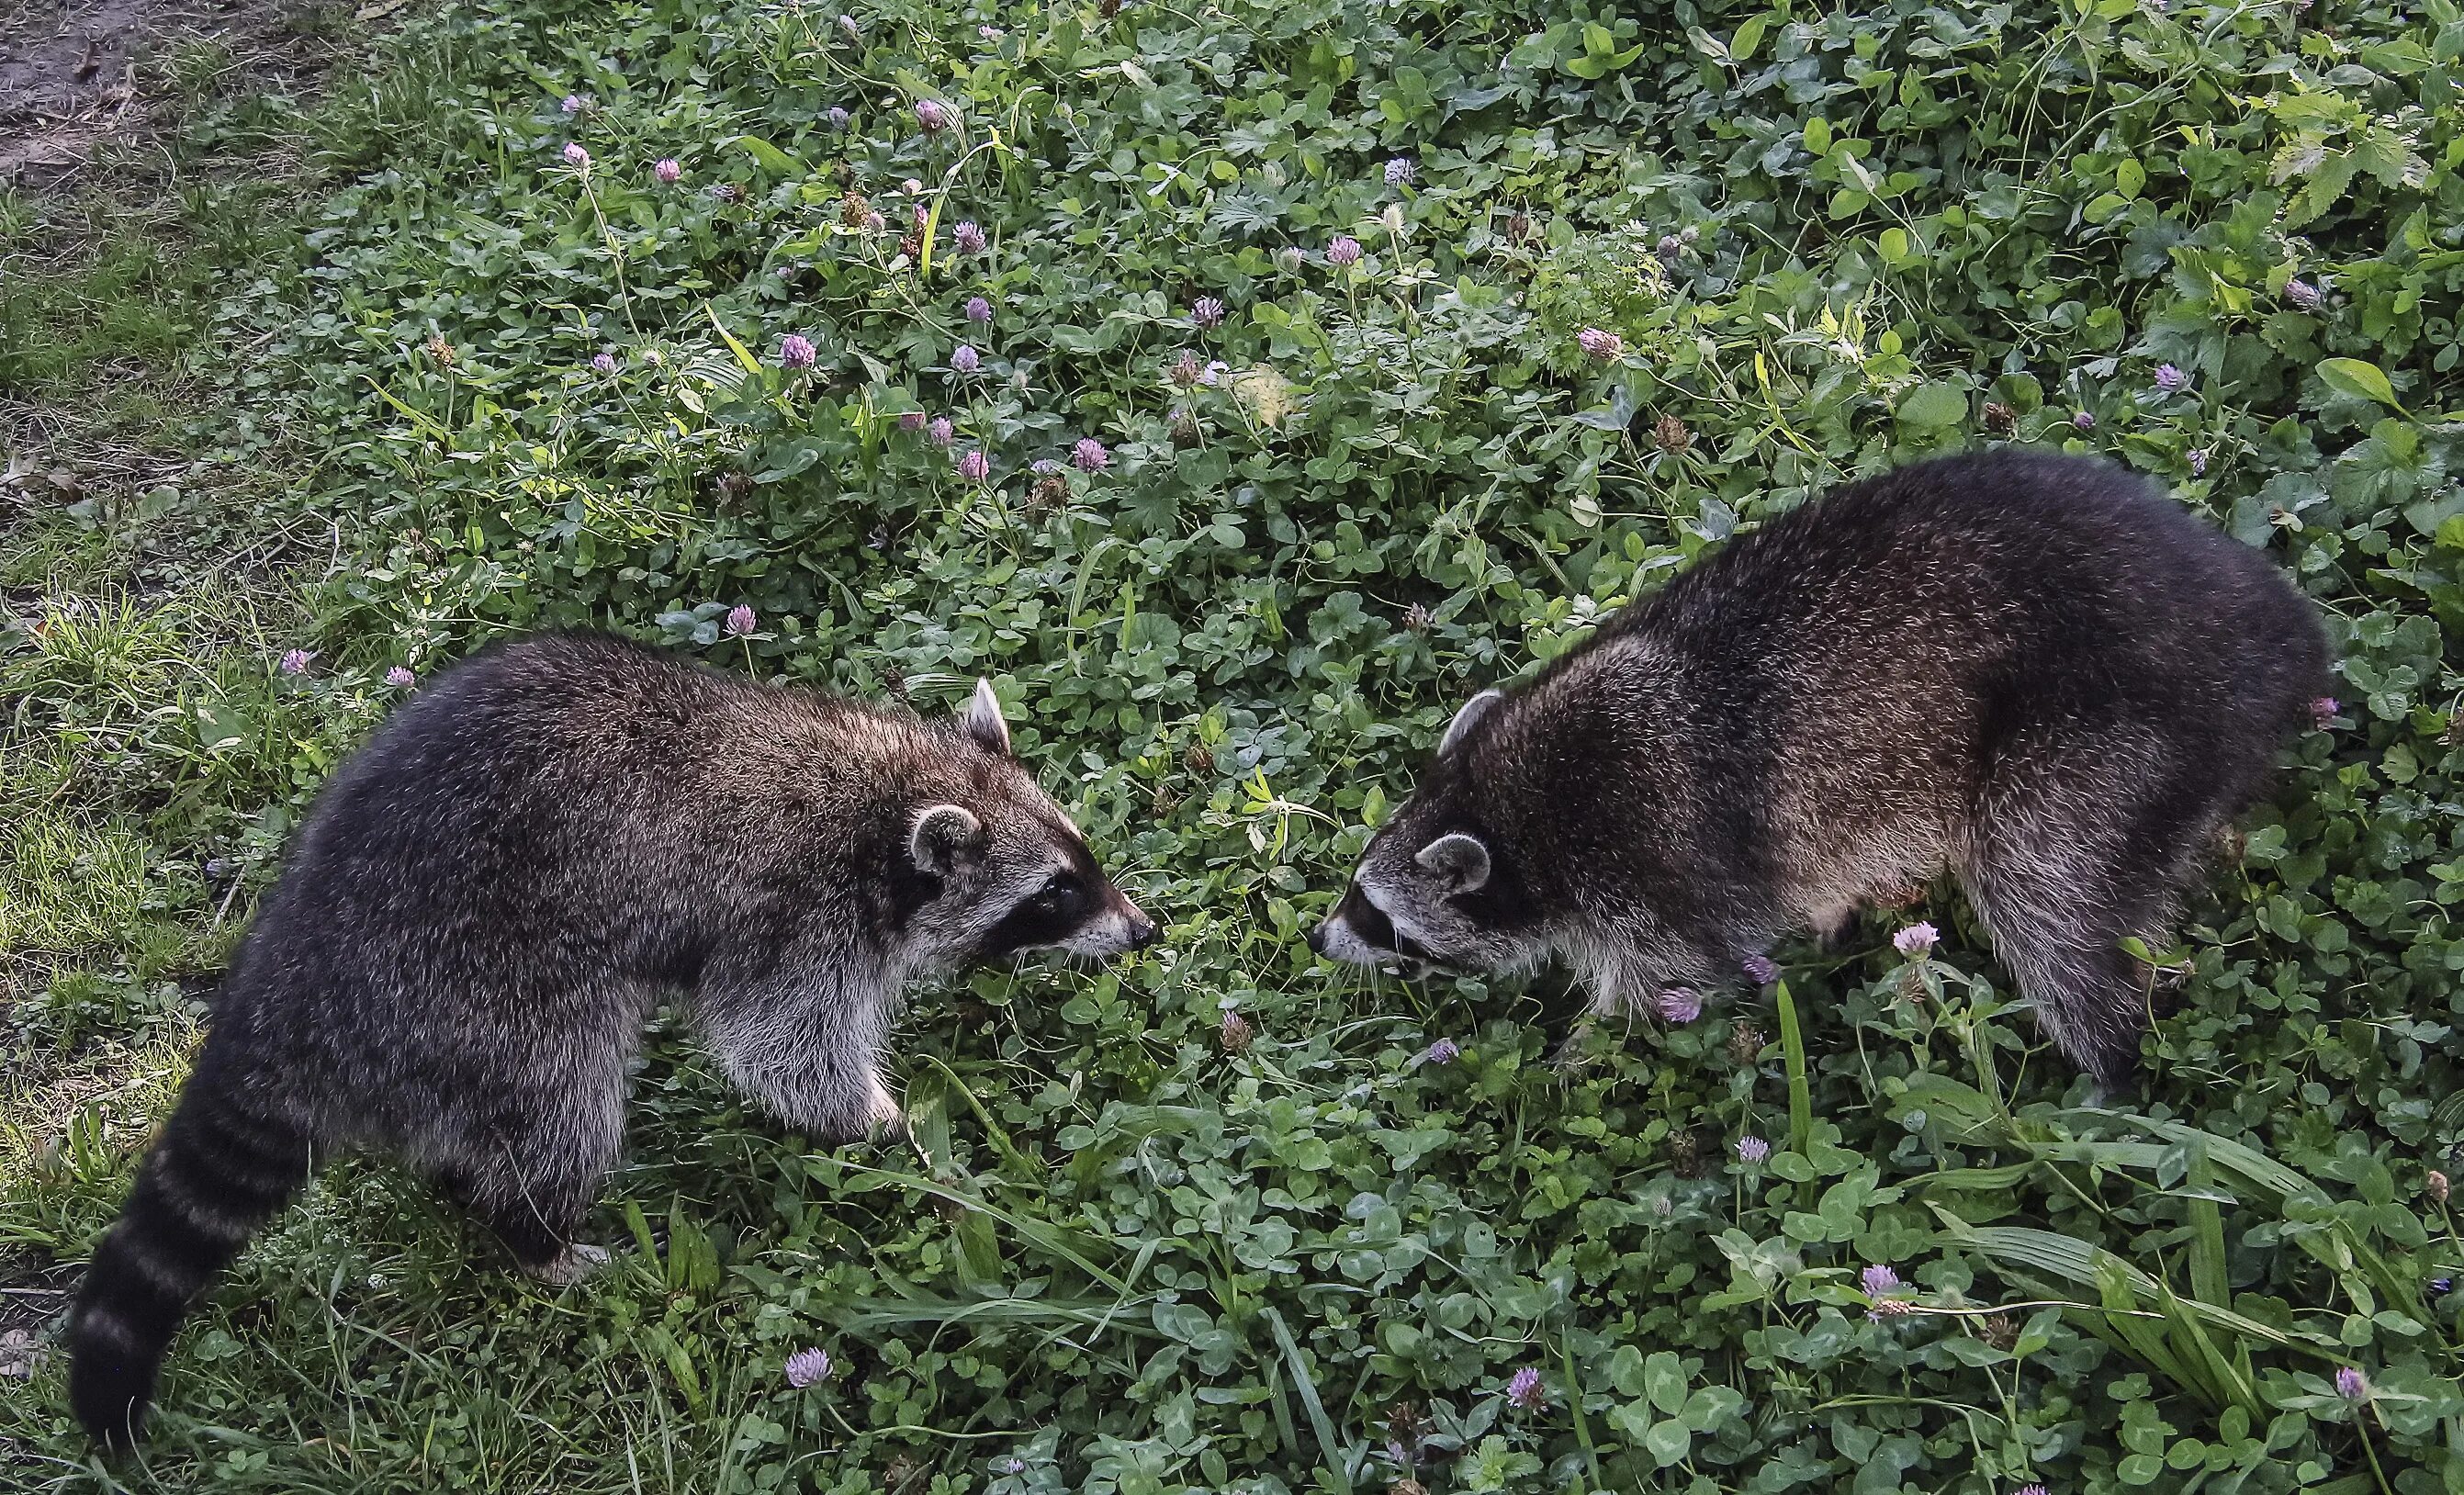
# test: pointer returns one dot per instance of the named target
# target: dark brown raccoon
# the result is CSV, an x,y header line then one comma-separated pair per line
x,y
488,900
2037,669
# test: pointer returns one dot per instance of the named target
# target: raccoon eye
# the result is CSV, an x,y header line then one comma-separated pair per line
x,y
1062,892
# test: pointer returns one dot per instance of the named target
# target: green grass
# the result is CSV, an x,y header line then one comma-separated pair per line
x,y
114,311
329,386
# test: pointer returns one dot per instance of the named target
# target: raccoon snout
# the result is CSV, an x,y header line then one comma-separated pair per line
x,y
1336,939
1137,929
1355,932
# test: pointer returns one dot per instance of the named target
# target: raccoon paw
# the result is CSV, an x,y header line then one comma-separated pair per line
x,y
570,1266
884,1119
1832,928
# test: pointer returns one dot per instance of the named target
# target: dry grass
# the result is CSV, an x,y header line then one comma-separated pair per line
x,y
137,572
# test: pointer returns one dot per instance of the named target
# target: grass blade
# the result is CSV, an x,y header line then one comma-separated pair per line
x,y
743,355
1800,1093
1043,1235
1327,1447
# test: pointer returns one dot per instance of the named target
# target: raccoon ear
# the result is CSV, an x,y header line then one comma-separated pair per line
x,y
983,720
1459,859
942,835
1473,712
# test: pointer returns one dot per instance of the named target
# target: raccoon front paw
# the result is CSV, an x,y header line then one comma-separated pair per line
x,y
1831,929
570,1266
884,1117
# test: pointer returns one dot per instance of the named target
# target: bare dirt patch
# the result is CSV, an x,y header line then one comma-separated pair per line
x,y
78,77
33,1299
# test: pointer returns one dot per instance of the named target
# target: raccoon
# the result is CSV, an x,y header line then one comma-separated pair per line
x,y
487,901
2038,669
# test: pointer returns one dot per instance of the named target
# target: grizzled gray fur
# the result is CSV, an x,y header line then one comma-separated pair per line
x,y
486,903
2038,669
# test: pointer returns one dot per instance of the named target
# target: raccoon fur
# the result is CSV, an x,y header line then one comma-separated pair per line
x,y
2038,669
487,901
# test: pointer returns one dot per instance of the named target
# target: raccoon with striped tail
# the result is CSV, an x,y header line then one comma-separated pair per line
x,y
487,901
2038,669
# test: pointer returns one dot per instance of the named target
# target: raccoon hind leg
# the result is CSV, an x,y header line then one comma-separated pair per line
x,y
533,1205
529,1167
2061,939
2075,848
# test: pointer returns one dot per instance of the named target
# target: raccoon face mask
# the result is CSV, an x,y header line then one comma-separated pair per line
x,y
1430,890
1008,873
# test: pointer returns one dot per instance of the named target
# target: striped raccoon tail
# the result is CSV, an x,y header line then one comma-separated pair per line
x,y
216,1174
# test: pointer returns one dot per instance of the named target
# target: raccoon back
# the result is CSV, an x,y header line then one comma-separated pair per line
x,y
1903,620
1837,684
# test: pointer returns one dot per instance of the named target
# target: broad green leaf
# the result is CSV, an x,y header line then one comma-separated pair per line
x,y
1668,1442
1749,37
770,157
1934,406
1664,1378
2357,380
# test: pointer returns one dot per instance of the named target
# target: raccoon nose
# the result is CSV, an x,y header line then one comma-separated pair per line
x,y
1317,940
1142,930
